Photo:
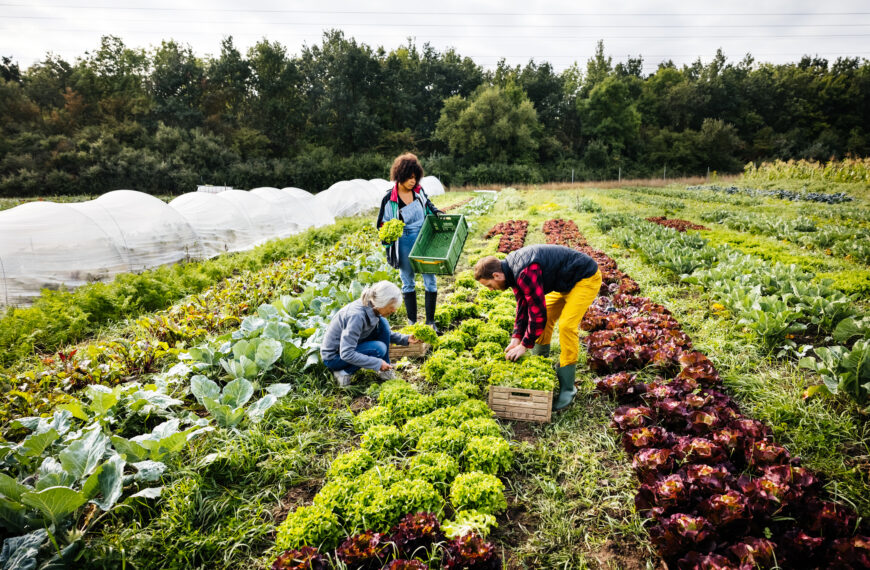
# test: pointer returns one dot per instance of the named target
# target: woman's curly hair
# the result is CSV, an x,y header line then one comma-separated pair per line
x,y
404,167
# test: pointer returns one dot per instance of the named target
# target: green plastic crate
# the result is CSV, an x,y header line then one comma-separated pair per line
x,y
439,244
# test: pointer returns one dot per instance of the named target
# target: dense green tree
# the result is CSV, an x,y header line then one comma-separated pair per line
x,y
493,125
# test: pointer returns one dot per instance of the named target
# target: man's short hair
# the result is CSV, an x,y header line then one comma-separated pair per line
x,y
486,266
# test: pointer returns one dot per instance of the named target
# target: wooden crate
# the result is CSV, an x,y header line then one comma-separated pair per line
x,y
410,351
521,404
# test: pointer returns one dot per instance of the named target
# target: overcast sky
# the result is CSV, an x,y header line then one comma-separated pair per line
x,y
558,31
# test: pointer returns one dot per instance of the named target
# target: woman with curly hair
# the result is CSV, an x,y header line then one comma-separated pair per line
x,y
407,201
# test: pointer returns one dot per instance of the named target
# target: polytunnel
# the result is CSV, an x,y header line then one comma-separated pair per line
x,y
296,219
316,213
44,245
382,185
268,221
432,186
350,197
221,225
145,229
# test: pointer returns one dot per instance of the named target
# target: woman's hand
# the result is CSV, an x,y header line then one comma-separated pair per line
x,y
414,340
385,366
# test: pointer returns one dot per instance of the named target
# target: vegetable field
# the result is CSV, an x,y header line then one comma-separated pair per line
x,y
720,422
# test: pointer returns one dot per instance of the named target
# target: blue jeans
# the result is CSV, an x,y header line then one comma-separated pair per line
x,y
376,344
406,272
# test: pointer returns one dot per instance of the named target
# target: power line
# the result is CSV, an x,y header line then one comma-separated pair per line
x,y
422,13
475,25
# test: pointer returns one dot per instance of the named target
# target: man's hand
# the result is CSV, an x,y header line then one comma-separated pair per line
x,y
414,340
385,366
513,343
516,352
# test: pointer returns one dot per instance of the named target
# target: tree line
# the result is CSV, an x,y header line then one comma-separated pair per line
x,y
164,120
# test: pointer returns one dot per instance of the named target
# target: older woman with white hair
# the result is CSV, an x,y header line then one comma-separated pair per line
x,y
359,335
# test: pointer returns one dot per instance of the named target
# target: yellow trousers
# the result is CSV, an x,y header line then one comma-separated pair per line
x,y
569,308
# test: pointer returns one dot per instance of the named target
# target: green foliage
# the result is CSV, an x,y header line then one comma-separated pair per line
x,y
435,467
314,525
488,454
478,492
382,441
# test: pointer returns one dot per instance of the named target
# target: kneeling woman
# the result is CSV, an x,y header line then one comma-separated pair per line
x,y
359,335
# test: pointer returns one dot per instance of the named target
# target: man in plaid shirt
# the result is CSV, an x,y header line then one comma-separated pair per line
x,y
551,283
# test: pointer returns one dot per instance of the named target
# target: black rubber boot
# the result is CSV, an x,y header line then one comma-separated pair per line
x,y
541,350
566,375
411,306
431,297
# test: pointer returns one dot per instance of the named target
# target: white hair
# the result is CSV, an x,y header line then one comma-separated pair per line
x,y
381,295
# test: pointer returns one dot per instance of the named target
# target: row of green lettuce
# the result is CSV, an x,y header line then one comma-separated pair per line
x,y
109,446
433,448
790,311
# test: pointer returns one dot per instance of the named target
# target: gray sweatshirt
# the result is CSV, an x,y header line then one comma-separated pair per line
x,y
348,327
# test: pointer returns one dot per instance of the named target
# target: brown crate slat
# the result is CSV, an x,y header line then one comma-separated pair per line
x,y
410,351
521,404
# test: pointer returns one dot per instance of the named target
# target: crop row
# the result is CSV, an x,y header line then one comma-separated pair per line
x,y
426,455
675,224
720,493
847,241
779,304
513,234
110,445
791,195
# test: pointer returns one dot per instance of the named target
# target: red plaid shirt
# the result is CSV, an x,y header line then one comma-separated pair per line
x,y
531,306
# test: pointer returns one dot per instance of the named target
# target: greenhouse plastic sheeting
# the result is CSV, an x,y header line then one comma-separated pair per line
x,y
382,185
350,197
48,245
316,212
267,220
219,223
296,219
145,229
432,186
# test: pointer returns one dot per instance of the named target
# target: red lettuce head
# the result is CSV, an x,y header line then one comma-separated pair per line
x,y
754,553
725,508
471,552
643,437
680,533
848,553
666,493
706,479
365,550
700,561
416,531
649,463
305,558
699,450
628,417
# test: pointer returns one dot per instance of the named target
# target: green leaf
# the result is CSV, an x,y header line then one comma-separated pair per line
x,y
55,503
279,390
131,450
237,393
76,409
149,471
11,488
258,410
83,455
110,482
268,352
102,399
35,445
202,387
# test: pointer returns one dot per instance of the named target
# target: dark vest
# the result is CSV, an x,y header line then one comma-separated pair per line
x,y
561,267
